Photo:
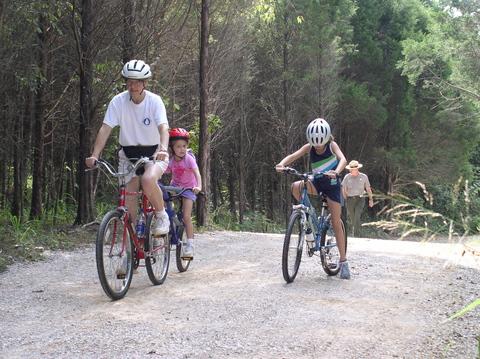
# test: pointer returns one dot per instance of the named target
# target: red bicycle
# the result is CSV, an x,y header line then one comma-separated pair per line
x,y
120,246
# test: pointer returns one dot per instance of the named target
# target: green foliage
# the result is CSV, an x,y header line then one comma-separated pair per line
x,y
419,212
214,124
27,240
222,218
468,308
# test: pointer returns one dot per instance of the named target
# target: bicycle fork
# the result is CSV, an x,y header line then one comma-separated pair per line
x,y
307,225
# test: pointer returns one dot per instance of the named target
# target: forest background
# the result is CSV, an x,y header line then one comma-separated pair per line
x,y
398,81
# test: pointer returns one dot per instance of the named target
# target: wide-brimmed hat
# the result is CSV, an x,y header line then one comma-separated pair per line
x,y
354,165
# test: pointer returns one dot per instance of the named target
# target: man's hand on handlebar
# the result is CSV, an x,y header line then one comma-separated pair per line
x,y
161,156
91,162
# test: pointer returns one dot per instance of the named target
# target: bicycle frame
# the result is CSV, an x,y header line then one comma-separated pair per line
x,y
127,218
176,217
317,224
304,221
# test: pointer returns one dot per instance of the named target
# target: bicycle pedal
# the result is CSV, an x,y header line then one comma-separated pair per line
x,y
121,276
187,258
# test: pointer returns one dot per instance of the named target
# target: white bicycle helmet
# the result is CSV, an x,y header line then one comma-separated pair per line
x,y
318,132
136,70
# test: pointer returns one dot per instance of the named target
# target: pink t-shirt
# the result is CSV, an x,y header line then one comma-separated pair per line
x,y
182,171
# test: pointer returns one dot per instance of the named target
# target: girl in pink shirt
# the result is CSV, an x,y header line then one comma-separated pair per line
x,y
185,174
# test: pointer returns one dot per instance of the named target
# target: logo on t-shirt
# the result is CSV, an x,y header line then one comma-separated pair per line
x,y
146,121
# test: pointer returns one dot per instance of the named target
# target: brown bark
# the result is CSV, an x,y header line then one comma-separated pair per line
x,y
129,35
204,138
241,169
19,162
85,210
39,122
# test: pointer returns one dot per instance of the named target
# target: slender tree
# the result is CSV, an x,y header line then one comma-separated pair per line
x,y
39,120
129,35
204,138
85,210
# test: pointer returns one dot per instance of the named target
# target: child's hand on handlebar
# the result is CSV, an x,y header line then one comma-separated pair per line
x,y
331,174
280,168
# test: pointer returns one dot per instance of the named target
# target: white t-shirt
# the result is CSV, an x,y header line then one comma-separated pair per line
x,y
138,122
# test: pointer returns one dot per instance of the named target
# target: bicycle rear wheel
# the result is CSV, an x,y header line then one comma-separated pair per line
x,y
114,255
157,253
182,264
293,247
329,253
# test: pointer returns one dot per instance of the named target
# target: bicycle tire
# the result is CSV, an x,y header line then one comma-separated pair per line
x,y
157,260
115,270
182,264
295,221
330,257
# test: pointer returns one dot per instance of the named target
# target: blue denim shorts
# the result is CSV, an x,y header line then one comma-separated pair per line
x,y
190,195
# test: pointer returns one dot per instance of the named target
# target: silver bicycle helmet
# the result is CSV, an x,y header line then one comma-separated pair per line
x,y
136,70
318,132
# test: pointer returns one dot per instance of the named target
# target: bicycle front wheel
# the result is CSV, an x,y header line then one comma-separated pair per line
x,y
329,253
182,264
293,247
157,253
114,255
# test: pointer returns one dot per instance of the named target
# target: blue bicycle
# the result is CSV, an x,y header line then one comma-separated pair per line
x,y
177,233
317,231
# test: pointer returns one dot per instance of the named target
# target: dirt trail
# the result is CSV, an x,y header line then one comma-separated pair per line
x,y
233,303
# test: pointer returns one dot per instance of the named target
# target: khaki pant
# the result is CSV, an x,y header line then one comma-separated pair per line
x,y
355,206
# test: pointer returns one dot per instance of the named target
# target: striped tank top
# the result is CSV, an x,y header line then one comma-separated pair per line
x,y
323,162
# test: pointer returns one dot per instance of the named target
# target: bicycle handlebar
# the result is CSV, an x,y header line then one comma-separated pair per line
x,y
304,176
293,171
110,169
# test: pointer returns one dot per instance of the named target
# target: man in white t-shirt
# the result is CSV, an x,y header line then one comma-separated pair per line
x,y
143,125
354,186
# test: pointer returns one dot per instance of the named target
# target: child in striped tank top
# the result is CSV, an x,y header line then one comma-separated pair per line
x,y
326,158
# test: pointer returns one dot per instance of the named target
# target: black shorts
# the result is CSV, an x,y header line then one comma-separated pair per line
x,y
331,187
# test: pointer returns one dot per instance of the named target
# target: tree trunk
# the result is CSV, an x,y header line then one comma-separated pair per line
x,y
39,119
18,164
286,101
1,13
85,210
215,189
129,34
231,190
204,138
251,191
269,182
241,168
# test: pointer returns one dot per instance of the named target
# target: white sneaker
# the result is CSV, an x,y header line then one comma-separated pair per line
x,y
162,224
187,250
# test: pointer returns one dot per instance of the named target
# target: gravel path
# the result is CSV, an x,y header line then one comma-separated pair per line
x,y
234,303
